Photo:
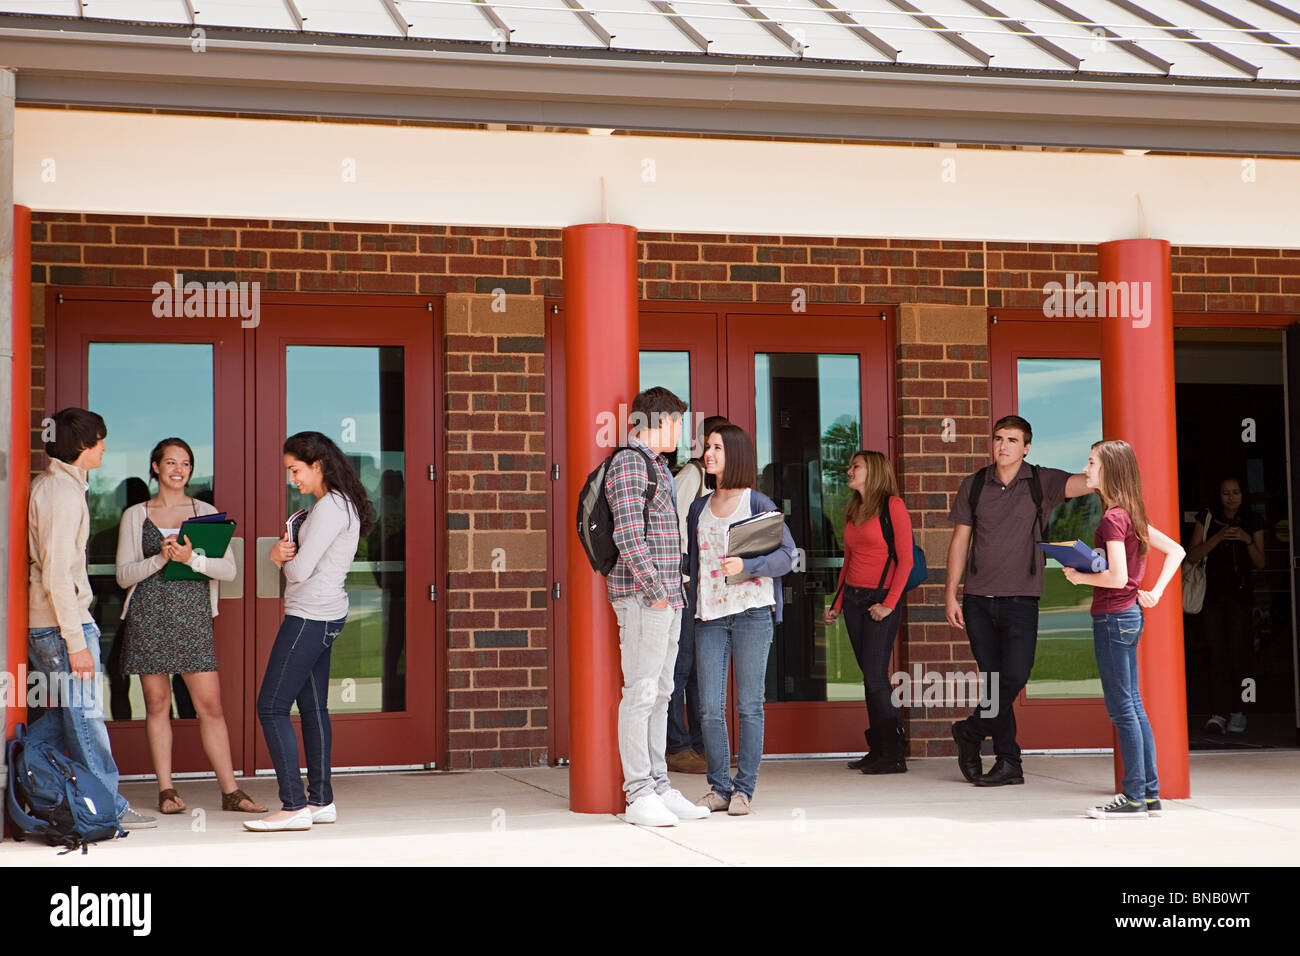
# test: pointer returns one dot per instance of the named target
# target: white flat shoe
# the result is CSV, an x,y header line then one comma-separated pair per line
x,y
299,821
325,814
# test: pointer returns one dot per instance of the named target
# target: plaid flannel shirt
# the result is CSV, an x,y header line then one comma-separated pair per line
x,y
649,556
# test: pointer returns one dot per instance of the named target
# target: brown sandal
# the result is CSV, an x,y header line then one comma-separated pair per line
x,y
233,799
172,795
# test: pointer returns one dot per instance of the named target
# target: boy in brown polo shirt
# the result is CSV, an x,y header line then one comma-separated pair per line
x,y
999,609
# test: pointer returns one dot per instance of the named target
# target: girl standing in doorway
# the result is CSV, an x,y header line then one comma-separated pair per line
x,y
1234,542
869,590
171,622
1126,537
315,610
733,622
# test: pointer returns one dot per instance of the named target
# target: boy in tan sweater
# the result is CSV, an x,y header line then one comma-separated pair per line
x,y
62,638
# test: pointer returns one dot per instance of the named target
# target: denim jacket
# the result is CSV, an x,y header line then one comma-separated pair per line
x,y
775,565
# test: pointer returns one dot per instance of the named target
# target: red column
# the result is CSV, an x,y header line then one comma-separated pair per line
x,y
601,373
1137,388
20,458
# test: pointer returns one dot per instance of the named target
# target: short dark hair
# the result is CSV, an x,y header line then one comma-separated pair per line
x,y
1015,421
75,430
156,456
740,470
711,424
649,407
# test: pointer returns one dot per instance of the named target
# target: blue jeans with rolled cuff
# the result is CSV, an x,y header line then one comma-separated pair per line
x,y
299,669
745,638
1115,641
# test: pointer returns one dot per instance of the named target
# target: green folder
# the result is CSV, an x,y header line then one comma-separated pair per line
x,y
210,537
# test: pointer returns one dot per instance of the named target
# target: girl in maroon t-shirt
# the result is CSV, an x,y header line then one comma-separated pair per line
x,y
1125,535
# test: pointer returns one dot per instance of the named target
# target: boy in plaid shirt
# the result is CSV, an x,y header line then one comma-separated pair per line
x,y
645,588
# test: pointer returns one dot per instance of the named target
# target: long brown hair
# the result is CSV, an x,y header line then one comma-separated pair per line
x,y
1121,484
880,486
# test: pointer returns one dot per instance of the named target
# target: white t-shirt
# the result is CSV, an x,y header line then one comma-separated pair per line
x,y
716,598
327,543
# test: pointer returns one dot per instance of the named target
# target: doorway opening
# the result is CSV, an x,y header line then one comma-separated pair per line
x,y
1230,398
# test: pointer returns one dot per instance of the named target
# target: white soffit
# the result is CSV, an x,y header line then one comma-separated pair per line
x,y
135,163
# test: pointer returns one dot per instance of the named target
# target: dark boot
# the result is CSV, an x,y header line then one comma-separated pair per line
x,y
870,756
892,748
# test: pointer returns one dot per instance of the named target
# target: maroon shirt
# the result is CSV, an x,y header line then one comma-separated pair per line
x,y
1116,525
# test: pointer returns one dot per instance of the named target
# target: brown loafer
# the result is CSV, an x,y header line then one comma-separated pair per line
x,y
739,806
165,795
714,801
688,761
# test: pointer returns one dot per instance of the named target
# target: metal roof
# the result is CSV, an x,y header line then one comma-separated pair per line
x,y
1251,40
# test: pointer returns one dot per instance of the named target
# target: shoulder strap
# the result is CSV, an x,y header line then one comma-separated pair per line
x,y
652,483
887,531
973,496
1035,492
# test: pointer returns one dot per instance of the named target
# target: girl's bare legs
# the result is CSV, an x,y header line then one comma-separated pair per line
x,y
205,690
158,728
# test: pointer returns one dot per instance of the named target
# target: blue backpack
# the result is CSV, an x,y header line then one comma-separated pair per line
x,y
919,570
53,797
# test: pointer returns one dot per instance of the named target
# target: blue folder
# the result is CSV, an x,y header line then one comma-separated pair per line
x,y
1075,554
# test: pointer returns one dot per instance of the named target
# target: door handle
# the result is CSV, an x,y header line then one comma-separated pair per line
x,y
268,575
234,589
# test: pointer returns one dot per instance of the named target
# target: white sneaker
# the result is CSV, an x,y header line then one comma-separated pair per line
x,y
1237,723
1216,725
650,811
325,814
681,807
299,821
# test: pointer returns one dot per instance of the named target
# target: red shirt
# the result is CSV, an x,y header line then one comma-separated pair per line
x,y
865,554
1116,525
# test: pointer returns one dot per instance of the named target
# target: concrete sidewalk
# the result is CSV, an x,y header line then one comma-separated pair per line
x,y
1246,811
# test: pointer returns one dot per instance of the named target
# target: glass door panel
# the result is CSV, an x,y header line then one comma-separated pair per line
x,y
672,370
808,424
363,413
1064,664
177,402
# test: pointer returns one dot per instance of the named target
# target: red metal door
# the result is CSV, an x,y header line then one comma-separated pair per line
x,y
1061,707
363,372
153,378
811,389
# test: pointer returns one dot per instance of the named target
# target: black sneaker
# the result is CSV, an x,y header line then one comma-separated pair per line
x,y
1120,808
1153,807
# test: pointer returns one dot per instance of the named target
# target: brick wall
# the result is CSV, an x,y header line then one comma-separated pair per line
x,y
495,398
496,519
942,373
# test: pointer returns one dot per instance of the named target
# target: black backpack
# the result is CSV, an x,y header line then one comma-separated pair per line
x,y
596,520
1035,492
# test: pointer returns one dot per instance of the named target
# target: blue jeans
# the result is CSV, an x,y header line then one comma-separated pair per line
x,y
685,732
1003,634
1115,641
299,669
76,726
745,637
